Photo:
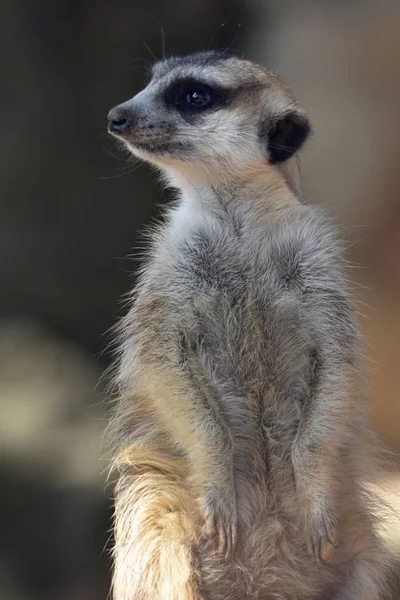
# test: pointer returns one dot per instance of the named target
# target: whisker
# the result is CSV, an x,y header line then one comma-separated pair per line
x,y
163,40
214,35
150,50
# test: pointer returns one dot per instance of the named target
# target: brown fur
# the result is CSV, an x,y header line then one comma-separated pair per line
x,y
238,431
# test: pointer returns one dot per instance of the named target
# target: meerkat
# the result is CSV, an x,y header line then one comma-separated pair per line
x,y
238,425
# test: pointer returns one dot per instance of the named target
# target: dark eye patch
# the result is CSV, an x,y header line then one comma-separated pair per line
x,y
182,94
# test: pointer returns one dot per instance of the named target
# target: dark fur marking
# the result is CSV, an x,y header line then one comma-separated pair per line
x,y
285,136
177,91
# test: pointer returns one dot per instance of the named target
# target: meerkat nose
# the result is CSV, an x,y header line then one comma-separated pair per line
x,y
117,120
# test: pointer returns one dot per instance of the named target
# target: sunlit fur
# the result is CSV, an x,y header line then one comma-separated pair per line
x,y
239,410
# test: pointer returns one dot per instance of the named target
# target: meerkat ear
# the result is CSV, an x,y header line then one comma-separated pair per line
x,y
285,135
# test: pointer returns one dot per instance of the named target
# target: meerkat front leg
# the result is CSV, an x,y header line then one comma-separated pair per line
x,y
314,453
190,414
194,421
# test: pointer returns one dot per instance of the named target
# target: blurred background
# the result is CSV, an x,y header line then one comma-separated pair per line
x,y
71,207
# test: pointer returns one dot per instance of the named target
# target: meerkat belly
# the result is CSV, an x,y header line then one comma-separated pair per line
x,y
253,351
253,344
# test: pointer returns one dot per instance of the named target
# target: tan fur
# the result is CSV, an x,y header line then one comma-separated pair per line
x,y
238,432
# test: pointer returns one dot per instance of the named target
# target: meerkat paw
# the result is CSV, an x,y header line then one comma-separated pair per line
x,y
220,524
324,540
323,536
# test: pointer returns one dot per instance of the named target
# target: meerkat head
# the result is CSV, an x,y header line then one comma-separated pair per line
x,y
211,112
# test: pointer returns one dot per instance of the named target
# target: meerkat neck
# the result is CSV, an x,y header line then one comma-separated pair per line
x,y
264,186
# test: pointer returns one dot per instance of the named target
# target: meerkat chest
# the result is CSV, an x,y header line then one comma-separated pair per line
x,y
232,254
241,293
234,285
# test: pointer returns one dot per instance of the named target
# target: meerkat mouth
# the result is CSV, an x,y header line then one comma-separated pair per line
x,y
148,146
158,148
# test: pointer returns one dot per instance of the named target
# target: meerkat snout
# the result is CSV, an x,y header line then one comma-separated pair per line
x,y
117,121
122,119
211,110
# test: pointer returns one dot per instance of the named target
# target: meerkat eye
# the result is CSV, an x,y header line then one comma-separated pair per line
x,y
190,96
198,98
